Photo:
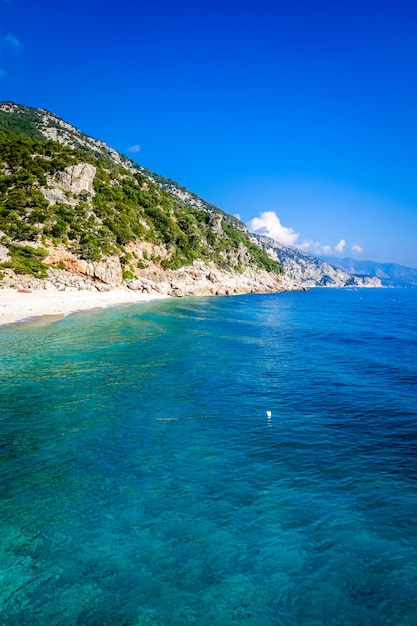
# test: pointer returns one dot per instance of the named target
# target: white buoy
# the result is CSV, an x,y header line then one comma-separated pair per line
x,y
269,414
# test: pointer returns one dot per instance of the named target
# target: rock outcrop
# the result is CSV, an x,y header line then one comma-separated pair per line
x,y
78,178
108,272
4,254
71,185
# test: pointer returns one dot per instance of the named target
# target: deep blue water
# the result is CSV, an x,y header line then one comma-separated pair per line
x,y
142,482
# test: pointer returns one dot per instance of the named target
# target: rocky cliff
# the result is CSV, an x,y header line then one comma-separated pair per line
x,y
76,214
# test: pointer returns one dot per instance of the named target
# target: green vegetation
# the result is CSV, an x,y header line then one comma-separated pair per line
x,y
20,125
258,255
126,206
27,260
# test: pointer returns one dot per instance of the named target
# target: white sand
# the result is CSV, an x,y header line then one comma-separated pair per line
x,y
16,306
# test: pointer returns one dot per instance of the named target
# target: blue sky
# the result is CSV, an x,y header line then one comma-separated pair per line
x,y
300,117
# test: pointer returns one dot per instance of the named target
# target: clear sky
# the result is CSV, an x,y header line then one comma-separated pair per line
x,y
299,116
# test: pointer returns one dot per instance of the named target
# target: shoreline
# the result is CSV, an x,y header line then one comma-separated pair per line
x,y
16,306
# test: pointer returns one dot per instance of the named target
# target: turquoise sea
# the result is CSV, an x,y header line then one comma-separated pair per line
x,y
143,483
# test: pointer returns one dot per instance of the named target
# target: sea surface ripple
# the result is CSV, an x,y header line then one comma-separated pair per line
x,y
143,482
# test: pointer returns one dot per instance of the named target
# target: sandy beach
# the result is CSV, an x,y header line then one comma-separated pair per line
x,y
17,306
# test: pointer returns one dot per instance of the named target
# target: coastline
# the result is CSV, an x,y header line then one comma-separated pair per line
x,y
16,306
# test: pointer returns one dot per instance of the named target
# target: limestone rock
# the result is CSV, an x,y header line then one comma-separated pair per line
x,y
78,178
102,287
243,256
216,222
109,272
4,254
212,277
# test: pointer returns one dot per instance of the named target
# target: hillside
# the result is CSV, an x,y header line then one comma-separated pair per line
x,y
75,213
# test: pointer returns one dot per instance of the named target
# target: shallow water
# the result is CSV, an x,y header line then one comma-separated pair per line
x,y
143,483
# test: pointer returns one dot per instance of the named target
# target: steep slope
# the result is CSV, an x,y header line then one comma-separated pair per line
x,y
78,214
44,125
309,271
390,274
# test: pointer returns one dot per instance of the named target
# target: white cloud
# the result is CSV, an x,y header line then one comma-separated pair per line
x,y
319,249
315,247
269,224
339,246
135,148
237,216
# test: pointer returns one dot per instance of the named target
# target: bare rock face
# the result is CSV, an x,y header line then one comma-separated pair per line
x,y
78,178
4,254
204,279
216,220
108,272
243,254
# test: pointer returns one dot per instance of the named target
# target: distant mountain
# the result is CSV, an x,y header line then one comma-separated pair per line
x,y
309,271
390,274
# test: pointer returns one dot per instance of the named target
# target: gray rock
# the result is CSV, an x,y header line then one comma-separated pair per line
x,y
4,254
78,178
